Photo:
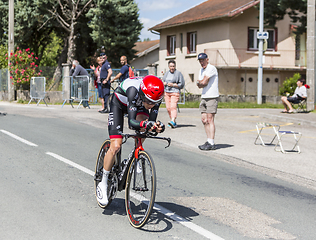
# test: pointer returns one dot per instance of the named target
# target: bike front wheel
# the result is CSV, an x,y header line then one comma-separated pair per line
x,y
140,190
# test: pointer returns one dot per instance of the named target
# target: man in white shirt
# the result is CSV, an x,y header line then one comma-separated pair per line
x,y
299,94
208,80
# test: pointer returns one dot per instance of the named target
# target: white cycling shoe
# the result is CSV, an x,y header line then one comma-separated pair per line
x,y
102,195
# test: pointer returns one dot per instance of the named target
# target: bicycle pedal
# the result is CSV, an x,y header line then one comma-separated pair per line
x,y
97,177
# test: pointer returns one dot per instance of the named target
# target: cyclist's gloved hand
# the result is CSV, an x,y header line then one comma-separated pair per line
x,y
162,126
147,124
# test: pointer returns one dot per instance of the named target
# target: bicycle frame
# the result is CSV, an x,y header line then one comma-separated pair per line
x,y
135,152
136,174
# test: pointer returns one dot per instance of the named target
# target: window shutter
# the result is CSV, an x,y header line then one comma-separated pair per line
x,y
276,39
188,43
168,45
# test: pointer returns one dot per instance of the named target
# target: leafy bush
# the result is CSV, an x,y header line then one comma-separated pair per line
x,y
289,85
22,68
3,58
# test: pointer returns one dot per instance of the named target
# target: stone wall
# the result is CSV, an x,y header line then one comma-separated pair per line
x,y
50,98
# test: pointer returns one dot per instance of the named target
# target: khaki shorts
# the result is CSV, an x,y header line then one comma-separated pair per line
x,y
208,105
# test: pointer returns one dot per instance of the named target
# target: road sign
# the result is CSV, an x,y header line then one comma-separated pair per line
x,y
262,35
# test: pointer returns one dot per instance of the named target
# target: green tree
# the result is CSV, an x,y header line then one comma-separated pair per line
x,y
275,10
115,28
66,14
69,17
3,56
289,85
29,32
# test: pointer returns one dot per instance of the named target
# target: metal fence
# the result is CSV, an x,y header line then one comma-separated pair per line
x,y
3,80
75,89
137,72
37,89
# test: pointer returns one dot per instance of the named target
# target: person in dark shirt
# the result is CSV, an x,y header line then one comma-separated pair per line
x,y
78,70
105,75
124,73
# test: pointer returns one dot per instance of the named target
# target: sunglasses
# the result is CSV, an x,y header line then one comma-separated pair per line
x,y
148,102
144,99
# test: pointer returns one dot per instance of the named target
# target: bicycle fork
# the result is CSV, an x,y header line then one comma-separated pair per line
x,y
139,165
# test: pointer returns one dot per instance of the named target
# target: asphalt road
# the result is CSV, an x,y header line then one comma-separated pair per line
x,y
43,197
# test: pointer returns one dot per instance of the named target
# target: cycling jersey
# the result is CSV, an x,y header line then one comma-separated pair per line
x,y
126,100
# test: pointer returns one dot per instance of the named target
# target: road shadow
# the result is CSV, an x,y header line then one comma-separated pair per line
x,y
117,206
159,222
185,125
219,146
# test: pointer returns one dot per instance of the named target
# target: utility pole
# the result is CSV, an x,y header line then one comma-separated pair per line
x,y
310,47
10,48
261,36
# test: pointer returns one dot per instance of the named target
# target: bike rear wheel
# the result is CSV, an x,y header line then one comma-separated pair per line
x,y
112,179
140,191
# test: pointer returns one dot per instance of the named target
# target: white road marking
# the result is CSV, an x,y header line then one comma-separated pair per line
x,y
60,158
18,138
166,212
186,223
157,207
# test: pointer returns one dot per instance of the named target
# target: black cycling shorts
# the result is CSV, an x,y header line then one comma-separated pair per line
x,y
116,117
294,100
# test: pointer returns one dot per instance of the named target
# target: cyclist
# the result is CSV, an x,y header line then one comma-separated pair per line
x,y
140,98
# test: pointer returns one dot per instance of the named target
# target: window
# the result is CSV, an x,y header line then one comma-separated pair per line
x,y
253,42
191,75
171,45
191,42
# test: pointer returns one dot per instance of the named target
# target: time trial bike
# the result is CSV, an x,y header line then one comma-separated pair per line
x,y
136,174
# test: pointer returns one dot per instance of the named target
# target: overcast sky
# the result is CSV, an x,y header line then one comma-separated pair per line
x,y
153,12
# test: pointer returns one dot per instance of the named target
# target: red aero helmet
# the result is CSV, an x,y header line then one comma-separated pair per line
x,y
152,88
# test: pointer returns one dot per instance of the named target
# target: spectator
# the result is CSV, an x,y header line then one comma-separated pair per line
x,y
299,94
124,73
173,81
97,75
78,70
105,75
208,80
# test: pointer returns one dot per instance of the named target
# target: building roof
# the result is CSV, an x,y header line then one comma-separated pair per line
x,y
145,47
207,10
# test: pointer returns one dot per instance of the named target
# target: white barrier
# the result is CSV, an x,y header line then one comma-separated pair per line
x,y
37,89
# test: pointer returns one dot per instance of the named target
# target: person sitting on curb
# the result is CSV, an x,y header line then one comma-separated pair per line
x,y
299,94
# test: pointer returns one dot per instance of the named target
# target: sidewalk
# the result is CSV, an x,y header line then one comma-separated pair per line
x,y
235,135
